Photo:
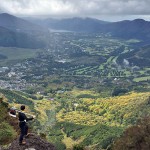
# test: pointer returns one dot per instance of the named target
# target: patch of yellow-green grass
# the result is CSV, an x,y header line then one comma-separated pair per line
x,y
101,67
69,142
141,79
77,92
14,53
147,69
41,106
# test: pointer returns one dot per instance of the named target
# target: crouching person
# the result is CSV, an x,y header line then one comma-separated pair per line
x,y
23,125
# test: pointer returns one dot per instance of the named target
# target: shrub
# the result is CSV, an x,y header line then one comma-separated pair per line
x,y
78,147
7,133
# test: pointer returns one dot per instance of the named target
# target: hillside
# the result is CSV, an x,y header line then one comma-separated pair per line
x,y
97,122
9,130
135,137
137,28
113,111
10,38
138,57
17,32
82,117
74,24
17,24
141,57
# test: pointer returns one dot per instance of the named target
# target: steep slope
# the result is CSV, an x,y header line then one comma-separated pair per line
x,y
7,131
135,137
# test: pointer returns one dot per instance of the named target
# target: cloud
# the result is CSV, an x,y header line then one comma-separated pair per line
x,y
66,8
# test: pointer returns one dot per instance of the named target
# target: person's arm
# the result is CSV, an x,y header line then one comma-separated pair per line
x,y
27,119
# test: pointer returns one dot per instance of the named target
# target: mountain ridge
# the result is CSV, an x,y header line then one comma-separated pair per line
x,y
18,24
137,28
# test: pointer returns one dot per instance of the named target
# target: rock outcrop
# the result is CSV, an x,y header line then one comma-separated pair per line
x,y
33,142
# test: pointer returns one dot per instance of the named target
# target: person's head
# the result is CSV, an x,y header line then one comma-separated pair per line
x,y
22,107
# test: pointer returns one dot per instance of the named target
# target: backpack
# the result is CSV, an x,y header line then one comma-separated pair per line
x,y
13,112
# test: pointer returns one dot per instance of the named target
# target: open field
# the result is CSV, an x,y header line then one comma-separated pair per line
x,y
141,79
13,53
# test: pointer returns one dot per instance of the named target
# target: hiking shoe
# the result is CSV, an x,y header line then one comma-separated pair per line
x,y
22,143
29,134
26,136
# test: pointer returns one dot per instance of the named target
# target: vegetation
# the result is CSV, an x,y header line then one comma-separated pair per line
x,y
13,97
7,131
135,137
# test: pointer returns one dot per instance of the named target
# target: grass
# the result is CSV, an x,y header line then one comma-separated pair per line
x,y
141,79
69,142
13,53
100,135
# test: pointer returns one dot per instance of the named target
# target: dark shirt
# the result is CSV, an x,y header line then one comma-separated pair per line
x,y
23,117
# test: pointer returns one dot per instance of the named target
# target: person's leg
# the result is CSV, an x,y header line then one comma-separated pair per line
x,y
26,129
22,128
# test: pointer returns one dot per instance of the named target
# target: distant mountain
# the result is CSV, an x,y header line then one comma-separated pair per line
x,y
71,24
17,32
137,28
17,24
75,24
10,38
126,29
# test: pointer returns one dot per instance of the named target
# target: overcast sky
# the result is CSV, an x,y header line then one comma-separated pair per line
x,y
112,10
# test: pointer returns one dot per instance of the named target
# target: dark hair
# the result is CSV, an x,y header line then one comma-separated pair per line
x,y
22,107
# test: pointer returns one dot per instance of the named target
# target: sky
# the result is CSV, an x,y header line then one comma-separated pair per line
x,y
109,10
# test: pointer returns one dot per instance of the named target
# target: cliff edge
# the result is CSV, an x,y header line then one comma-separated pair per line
x,y
33,142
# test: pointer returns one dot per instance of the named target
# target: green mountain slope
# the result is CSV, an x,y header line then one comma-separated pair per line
x,y
7,131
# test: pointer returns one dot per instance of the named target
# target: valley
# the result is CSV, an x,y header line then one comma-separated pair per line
x,y
98,58
83,88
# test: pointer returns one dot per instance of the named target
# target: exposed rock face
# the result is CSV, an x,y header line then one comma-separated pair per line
x,y
33,142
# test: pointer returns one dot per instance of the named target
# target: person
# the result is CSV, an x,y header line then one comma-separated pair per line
x,y
23,125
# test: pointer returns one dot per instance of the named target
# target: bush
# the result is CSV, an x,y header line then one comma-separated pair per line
x,y
119,91
86,96
136,137
60,145
78,147
7,133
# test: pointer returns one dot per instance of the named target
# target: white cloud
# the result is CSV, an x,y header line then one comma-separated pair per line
x,y
66,8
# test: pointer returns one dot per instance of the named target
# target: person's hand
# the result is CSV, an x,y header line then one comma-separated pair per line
x,y
32,118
